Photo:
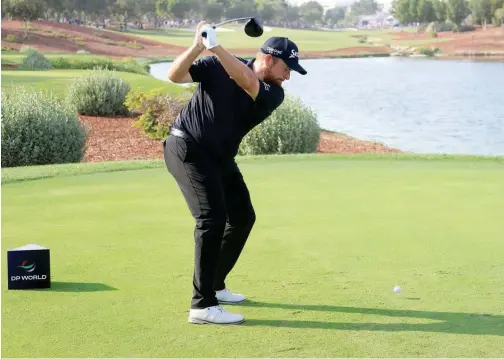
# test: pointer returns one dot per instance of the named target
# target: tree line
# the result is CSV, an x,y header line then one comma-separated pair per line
x,y
426,11
275,12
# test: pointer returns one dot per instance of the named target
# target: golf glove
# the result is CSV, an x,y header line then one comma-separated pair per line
x,y
210,40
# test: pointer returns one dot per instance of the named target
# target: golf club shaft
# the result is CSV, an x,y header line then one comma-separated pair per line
x,y
231,20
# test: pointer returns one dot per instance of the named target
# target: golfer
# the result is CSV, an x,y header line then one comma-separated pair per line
x,y
233,96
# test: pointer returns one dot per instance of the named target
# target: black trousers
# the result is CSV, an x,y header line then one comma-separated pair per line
x,y
219,201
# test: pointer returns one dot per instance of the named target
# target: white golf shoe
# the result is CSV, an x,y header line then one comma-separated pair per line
x,y
214,315
226,297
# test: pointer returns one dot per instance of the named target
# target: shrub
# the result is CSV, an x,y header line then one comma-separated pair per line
x,y
158,111
98,93
466,28
12,38
62,35
30,27
132,44
8,48
37,129
292,128
35,60
435,27
25,49
428,51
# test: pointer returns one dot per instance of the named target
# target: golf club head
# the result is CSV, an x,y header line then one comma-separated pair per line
x,y
253,27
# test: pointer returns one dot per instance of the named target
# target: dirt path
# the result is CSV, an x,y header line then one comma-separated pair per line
x,y
114,139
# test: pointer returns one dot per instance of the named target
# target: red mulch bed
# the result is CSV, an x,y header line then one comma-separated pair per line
x,y
45,42
343,144
491,39
115,139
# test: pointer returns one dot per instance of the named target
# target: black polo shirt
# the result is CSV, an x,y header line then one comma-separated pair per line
x,y
221,113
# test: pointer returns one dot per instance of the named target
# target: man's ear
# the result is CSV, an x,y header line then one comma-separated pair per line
x,y
268,60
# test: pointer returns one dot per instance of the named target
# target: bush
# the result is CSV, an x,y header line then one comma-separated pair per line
x,y
10,49
98,93
35,60
25,49
428,51
132,44
292,128
465,28
435,27
12,38
158,111
38,129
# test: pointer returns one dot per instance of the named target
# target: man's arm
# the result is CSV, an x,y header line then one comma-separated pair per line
x,y
241,74
179,71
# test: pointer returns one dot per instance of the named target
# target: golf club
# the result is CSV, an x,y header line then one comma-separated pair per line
x,y
253,27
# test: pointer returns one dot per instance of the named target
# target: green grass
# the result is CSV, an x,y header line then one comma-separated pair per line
x,y
16,58
59,81
82,62
154,59
334,235
305,39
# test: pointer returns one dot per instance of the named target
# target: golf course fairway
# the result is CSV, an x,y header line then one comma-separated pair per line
x,y
334,235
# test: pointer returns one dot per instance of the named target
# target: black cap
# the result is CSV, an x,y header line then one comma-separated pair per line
x,y
285,49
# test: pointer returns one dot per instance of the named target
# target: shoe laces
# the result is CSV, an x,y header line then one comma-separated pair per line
x,y
220,309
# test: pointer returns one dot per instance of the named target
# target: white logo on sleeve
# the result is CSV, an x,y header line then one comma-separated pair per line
x,y
293,54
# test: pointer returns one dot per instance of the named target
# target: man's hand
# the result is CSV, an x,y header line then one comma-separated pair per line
x,y
179,71
209,37
198,40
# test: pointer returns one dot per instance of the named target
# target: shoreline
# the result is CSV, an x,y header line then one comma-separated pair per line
x,y
485,45
475,58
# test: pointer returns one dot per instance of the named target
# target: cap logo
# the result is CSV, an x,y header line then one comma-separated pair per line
x,y
294,54
273,51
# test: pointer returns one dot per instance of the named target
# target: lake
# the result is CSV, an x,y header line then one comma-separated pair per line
x,y
412,104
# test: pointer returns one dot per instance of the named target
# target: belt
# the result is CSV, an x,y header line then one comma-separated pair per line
x,y
178,133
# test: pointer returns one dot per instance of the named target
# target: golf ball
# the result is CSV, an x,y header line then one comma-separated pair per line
x,y
397,289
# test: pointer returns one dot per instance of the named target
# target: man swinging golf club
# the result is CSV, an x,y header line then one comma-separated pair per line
x,y
233,96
